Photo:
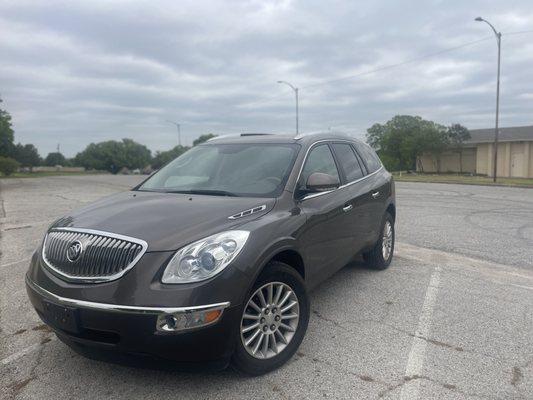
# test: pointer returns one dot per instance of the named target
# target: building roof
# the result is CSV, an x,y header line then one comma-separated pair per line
x,y
509,134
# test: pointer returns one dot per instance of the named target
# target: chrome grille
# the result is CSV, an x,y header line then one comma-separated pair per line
x,y
99,256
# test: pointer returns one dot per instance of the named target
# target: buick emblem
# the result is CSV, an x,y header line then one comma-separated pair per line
x,y
74,251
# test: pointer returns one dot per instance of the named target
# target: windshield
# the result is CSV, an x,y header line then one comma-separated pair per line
x,y
254,170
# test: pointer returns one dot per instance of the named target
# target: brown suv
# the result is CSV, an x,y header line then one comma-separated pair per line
x,y
211,258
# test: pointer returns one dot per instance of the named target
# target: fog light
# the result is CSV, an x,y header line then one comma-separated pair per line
x,y
187,320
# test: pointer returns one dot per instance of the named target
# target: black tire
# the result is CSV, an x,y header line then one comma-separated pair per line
x,y
275,271
374,258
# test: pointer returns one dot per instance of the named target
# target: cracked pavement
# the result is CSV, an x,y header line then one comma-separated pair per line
x,y
452,318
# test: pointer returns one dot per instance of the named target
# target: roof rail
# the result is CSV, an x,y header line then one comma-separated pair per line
x,y
222,136
239,135
332,133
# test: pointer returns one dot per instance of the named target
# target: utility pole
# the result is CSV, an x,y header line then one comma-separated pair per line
x,y
178,126
295,89
496,129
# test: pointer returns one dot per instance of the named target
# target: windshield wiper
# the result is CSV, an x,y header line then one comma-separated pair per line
x,y
209,192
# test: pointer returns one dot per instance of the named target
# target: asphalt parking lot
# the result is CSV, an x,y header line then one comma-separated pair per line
x,y
452,317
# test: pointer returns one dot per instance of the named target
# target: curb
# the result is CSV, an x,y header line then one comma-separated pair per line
x,y
467,183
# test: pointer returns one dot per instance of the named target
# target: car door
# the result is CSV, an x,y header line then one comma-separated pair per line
x,y
375,191
326,237
351,169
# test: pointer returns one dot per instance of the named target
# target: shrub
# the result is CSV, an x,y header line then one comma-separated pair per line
x,y
8,165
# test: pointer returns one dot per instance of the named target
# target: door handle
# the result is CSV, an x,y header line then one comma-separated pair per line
x,y
347,208
375,195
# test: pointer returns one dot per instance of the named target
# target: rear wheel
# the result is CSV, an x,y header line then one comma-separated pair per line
x,y
274,320
380,256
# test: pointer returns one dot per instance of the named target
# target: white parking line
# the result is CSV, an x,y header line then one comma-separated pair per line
x,y
415,362
24,352
19,354
522,286
15,262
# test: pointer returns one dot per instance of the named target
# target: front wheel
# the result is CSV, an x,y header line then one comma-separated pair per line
x,y
274,320
381,254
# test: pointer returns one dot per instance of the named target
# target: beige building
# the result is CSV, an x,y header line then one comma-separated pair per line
x,y
515,154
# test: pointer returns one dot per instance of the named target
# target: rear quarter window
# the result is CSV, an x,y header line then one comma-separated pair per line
x,y
369,156
348,161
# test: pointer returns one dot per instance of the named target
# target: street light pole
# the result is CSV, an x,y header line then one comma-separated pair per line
x,y
295,89
178,126
496,130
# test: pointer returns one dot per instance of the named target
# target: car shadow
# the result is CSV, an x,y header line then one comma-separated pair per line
x,y
176,370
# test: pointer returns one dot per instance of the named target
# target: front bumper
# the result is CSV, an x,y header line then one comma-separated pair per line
x,y
132,330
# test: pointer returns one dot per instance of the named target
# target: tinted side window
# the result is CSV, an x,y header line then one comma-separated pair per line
x,y
361,163
348,161
319,159
369,157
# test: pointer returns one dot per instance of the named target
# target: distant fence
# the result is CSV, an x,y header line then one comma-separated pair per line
x,y
58,168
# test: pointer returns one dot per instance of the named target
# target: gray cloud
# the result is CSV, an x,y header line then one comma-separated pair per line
x,y
73,73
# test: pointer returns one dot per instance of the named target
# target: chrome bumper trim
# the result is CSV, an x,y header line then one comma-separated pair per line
x,y
118,307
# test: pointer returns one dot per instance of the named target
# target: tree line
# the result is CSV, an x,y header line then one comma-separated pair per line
x,y
401,141
113,155
110,155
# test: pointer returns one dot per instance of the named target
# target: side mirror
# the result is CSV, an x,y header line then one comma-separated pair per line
x,y
319,182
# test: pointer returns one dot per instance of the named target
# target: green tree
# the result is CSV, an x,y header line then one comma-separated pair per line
x,y
53,159
402,140
27,155
163,157
458,135
112,156
135,155
8,165
434,142
203,138
7,135
374,135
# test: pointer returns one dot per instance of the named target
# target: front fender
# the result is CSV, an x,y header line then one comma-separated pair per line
x,y
265,245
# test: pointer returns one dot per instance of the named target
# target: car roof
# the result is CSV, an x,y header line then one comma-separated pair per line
x,y
304,139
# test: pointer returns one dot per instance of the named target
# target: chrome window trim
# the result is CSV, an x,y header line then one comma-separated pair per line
x,y
119,307
93,279
313,195
360,179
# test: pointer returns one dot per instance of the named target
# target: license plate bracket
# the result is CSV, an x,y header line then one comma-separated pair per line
x,y
61,317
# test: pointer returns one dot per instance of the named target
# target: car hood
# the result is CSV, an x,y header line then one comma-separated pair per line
x,y
166,221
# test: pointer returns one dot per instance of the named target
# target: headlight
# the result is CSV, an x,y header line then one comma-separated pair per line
x,y
205,258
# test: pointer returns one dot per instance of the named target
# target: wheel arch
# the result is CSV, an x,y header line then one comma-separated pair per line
x,y
292,258
391,209
286,251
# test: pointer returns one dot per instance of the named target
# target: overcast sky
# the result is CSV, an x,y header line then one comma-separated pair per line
x,y
81,72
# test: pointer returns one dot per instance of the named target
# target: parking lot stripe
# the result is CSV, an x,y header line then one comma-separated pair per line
x,y
24,352
415,361
522,286
15,262
19,354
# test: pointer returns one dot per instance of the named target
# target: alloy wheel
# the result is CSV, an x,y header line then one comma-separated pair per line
x,y
386,241
270,320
